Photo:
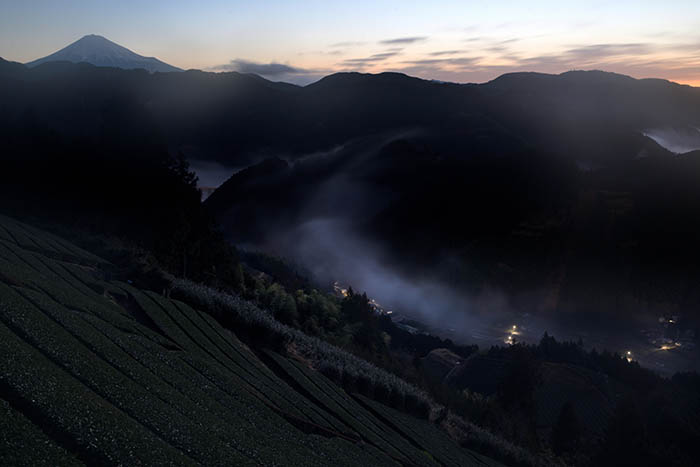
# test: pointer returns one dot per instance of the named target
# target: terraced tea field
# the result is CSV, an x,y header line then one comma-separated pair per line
x,y
100,372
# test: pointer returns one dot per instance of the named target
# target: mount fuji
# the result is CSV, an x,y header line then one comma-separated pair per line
x,y
102,52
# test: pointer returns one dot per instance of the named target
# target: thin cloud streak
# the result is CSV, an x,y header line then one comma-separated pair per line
x,y
372,59
347,44
460,61
404,40
444,52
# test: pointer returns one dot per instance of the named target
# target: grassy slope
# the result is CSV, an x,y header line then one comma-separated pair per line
x,y
100,372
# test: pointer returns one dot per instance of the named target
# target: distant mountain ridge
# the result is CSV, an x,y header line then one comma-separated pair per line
x,y
102,52
238,119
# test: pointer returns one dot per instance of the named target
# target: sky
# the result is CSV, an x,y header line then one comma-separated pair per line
x,y
301,41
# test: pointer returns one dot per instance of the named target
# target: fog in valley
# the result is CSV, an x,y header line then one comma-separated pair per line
x,y
676,140
328,244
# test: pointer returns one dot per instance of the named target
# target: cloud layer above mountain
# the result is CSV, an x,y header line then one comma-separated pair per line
x,y
273,71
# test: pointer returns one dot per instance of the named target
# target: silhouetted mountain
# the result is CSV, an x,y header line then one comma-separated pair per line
x,y
10,67
589,115
99,51
237,118
523,177
541,185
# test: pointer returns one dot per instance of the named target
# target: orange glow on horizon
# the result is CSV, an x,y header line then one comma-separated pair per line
x,y
694,83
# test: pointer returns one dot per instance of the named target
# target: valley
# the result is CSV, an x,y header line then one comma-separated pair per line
x,y
654,347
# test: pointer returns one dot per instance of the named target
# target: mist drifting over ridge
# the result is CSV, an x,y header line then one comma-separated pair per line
x,y
677,140
328,249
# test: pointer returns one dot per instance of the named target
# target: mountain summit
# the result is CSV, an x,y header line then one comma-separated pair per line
x,y
100,51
